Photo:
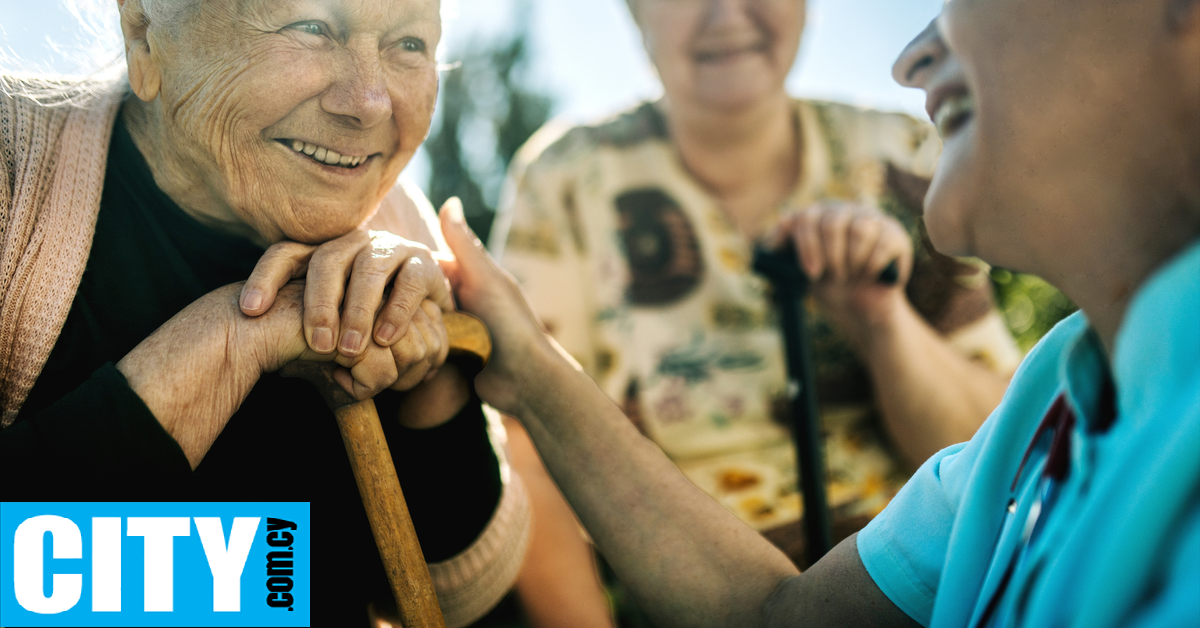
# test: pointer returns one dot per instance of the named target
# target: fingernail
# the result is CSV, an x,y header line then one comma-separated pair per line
x,y
252,300
386,332
350,342
454,206
322,339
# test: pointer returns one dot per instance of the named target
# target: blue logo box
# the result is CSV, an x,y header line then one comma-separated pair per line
x,y
154,564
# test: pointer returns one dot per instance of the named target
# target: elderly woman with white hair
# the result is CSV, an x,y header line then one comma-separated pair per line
x,y
256,140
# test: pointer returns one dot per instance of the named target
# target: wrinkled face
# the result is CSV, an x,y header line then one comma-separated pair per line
x,y
721,54
298,116
1057,117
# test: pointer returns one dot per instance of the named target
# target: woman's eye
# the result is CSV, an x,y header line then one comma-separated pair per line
x,y
411,44
311,28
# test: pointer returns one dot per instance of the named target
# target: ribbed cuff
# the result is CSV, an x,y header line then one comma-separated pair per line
x,y
473,582
450,476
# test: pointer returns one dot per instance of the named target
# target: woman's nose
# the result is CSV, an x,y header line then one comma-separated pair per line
x,y
920,58
360,93
728,13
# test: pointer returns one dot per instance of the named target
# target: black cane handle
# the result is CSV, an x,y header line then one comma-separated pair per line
x,y
782,266
890,274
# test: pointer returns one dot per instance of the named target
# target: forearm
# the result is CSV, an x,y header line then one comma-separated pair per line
x,y
689,561
437,400
194,372
187,378
930,395
99,442
559,585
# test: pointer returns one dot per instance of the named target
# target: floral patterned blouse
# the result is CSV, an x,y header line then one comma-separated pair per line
x,y
637,272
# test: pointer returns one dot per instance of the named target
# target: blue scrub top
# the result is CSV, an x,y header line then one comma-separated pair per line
x,y
1121,544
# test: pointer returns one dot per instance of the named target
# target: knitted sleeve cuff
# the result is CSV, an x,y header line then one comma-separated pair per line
x,y
471,583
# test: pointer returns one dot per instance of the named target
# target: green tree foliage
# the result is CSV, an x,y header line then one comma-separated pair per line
x,y
1029,304
487,111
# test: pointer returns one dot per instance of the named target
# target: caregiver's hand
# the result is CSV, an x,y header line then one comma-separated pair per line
x,y
347,282
522,353
843,248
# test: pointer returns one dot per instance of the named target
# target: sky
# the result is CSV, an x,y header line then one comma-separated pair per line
x,y
586,53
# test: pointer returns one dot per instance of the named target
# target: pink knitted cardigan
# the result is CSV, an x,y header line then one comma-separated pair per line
x,y
52,162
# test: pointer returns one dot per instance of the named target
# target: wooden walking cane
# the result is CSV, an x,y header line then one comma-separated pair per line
x,y
371,461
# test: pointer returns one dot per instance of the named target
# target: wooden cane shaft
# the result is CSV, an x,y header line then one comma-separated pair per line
x,y
371,461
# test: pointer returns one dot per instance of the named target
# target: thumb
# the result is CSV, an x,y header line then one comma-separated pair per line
x,y
467,255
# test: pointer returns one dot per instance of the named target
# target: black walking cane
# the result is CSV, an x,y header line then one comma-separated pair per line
x,y
782,269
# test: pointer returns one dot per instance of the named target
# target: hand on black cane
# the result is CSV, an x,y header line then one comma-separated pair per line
x,y
848,251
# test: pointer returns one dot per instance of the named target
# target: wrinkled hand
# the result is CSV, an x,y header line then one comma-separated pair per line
x,y
521,352
277,338
346,297
843,248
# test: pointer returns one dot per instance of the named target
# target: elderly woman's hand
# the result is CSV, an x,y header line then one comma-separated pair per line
x,y
843,249
195,370
346,297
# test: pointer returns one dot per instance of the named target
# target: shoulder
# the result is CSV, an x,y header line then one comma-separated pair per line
x,y
407,212
909,144
41,117
560,145
36,108
22,112
1035,385
48,96
1043,361
853,121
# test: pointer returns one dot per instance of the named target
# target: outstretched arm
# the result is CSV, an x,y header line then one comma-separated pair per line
x,y
688,561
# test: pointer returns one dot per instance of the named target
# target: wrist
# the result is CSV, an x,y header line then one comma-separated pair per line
x,y
436,401
883,323
547,371
266,343
192,373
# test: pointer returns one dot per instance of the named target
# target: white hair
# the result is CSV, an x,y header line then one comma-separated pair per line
x,y
170,13
99,53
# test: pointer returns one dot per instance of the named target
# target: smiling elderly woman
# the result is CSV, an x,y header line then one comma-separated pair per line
x,y
135,367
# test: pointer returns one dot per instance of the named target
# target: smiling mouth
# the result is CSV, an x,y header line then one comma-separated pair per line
x,y
323,155
953,114
717,56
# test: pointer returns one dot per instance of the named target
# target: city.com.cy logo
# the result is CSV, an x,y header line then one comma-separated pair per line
x,y
154,564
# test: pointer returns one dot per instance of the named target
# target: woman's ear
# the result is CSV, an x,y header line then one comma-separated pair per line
x,y
1184,16
145,76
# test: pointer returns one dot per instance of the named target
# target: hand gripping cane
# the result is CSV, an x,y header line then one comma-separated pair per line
x,y
371,461
782,269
